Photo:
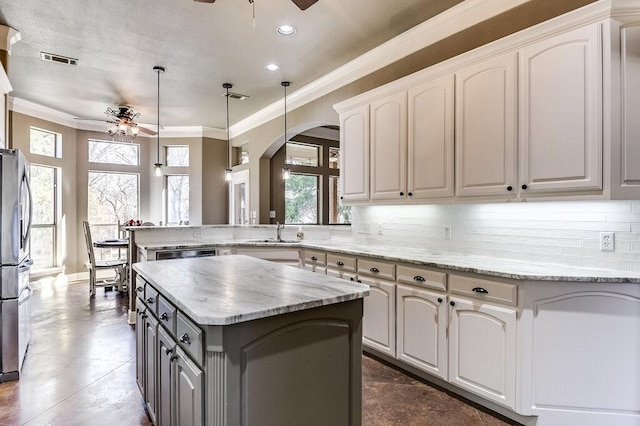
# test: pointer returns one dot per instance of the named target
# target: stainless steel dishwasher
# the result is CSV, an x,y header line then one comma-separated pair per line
x,y
183,254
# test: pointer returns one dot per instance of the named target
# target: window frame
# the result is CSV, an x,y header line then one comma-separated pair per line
x,y
54,225
57,144
89,161
98,225
165,201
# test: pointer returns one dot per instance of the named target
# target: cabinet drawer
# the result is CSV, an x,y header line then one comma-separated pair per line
x,y
189,336
422,277
341,262
167,315
151,298
375,268
140,283
312,257
492,291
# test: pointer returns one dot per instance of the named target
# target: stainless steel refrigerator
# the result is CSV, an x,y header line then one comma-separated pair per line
x,y
15,262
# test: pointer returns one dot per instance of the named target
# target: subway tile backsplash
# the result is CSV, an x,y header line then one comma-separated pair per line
x,y
565,232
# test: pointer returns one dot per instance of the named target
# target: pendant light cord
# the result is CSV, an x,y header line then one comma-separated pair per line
x,y
228,86
158,122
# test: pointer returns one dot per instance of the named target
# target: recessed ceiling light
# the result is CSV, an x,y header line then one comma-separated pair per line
x,y
286,30
271,67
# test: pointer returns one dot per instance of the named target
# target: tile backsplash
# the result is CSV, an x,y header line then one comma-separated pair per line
x,y
565,232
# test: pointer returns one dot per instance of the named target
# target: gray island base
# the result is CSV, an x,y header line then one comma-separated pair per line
x,y
235,340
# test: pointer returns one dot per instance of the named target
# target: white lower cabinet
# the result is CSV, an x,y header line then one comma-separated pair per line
x,y
189,380
422,329
379,318
482,349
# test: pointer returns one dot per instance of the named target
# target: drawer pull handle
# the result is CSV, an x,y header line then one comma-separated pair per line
x,y
144,315
340,263
167,351
150,300
374,270
479,290
139,289
419,278
315,259
452,303
185,339
509,188
164,316
439,299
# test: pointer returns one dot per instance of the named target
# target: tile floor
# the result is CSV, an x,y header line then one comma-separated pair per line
x,y
80,370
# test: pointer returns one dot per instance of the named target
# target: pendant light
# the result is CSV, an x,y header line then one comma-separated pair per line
x,y
286,172
228,173
157,168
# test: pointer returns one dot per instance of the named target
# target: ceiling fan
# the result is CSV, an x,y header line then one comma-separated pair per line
x,y
122,122
302,4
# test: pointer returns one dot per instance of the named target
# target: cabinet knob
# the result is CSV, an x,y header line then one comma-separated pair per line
x,y
139,289
524,186
315,259
340,263
185,339
480,290
509,188
419,278
167,351
164,316
402,194
360,281
439,299
144,315
410,194
374,270
452,303
342,198
173,358
150,300
351,279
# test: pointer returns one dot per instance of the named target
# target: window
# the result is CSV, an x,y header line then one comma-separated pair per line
x,y
43,142
112,199
334,158
45,204
177,156
177,199
114,153
302,154
337,214
301,199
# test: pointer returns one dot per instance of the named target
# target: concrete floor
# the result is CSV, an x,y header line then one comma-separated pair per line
x,y
80,370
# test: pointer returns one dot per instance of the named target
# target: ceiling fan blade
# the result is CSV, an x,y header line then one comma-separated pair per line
x,y
304,4
147,131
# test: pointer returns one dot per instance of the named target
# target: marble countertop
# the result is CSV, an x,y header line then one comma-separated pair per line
x,y
231,289
491,266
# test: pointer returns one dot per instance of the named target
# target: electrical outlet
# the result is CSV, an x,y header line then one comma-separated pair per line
x,y
197,234
446,232
272,214
607,241
364,228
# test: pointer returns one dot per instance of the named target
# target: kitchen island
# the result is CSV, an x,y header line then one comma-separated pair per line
x,y
236,340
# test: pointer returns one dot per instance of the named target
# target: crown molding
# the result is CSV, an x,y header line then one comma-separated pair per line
x,y
49,114
8,37
443,25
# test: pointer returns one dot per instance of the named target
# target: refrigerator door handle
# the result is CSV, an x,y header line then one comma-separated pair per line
x,y
25,233
27,264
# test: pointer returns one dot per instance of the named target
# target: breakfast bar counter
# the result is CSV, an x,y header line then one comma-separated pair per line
x,y
235,340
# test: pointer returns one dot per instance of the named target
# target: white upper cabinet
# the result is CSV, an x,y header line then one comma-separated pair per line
x,y
561,113
389,147
354,156
486,123
430,139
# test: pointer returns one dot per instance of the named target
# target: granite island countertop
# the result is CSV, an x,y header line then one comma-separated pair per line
x,y
485,265
227,290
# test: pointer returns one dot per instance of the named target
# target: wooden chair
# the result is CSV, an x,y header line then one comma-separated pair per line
x,y
97,265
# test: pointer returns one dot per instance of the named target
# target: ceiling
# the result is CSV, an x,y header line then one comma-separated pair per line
x,y
201,46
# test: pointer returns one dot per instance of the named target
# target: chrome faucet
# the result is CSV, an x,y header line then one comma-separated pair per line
x,y
279,229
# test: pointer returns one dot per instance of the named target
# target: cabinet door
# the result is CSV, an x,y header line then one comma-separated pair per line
x,y
561,112
389,147
430,139
166,379
151,357
354,154
486,127
189,405
482,349
422,329
140,342
379,317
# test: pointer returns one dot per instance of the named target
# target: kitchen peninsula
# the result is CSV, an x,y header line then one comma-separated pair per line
x,y
236,340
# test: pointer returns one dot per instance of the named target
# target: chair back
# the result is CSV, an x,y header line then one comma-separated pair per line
x,y
89,241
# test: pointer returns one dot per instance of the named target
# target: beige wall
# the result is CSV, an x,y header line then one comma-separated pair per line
x,y
215,190
265,140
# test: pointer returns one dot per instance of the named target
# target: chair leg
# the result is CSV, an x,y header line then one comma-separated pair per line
x,y
92,282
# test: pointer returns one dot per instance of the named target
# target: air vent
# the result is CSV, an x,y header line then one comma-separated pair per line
x,y
58,58
237,96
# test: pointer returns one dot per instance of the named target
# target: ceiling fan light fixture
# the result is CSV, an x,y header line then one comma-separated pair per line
x,y
286,30
271,67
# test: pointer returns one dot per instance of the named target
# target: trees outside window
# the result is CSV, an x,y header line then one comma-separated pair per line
x,y
45,204
112,199
301,199
114,153
177,202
